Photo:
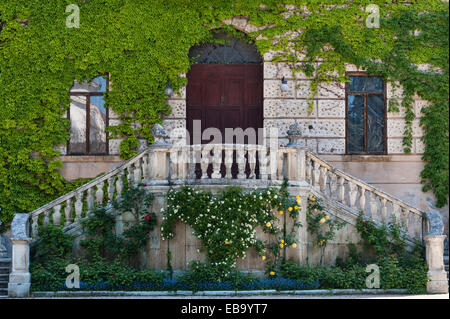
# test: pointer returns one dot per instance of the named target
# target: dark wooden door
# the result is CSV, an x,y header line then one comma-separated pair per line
x,y
224,96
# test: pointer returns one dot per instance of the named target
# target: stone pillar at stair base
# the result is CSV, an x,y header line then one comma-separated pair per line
x,y
20,277
438,283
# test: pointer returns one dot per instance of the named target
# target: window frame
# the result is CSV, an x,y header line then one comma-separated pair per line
x,y
88,119
365,96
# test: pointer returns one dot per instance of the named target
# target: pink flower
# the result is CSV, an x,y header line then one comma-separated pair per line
x,y
147,218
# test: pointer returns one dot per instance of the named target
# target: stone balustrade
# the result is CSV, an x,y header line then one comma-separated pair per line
x,y
163,165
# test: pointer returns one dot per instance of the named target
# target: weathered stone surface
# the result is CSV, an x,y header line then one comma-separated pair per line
x,y
272,89
278,70
331,108
331,146
395,146
180,95
435,256
311,128
178,108
396,127
394,92
419,146
303,88
331,90
114,146
289,108
419,105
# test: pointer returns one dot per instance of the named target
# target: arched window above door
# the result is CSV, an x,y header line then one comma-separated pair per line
x,y
235,51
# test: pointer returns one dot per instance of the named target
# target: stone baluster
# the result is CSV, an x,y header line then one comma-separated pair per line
x,y
240,159
174,159
228,161
206,149
273,163
251,157
56,215
414,225
46,220
194,159
90,199
373,206
383,209
35,225
78,206
352,194
309,170
68,212
323,179
263,159
99,194
404,216
217,161
316,174
119,183
362,198
137,172
145,169
396,212
130,177
341,189
333,183
279,166
183,160
110,188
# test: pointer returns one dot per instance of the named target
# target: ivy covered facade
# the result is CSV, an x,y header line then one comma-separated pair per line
x,y
371,100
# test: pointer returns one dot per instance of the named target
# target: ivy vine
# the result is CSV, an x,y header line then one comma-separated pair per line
x,y
139,44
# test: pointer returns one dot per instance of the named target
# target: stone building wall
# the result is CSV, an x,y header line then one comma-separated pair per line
x,y
323,131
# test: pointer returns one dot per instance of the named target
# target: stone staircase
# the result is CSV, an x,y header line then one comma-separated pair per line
x,y
5,267
162,166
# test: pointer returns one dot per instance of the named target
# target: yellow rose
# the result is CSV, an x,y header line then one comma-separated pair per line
x,y
290,209
282,241
298,197
272,273
281,212
281,245
327,217
312,199
263,257
296,207
298,200
294,245
322,220
268,224
227,243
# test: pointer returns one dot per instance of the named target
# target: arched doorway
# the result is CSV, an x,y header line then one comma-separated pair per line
x,y
225,87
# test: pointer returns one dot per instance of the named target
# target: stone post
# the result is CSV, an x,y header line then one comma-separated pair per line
x,y
20,278
438,283
159,155
296,157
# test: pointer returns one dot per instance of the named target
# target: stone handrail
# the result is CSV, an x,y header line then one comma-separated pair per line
x,y
360,196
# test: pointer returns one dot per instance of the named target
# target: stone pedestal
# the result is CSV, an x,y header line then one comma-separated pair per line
x,y
20,277
438,283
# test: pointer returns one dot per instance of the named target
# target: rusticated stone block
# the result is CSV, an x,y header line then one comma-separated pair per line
x,y
331,146
331,108
272,89
331,90
287,108
178,108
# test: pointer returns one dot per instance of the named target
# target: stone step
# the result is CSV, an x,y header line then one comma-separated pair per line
x,y
4,270
3,291
3,284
